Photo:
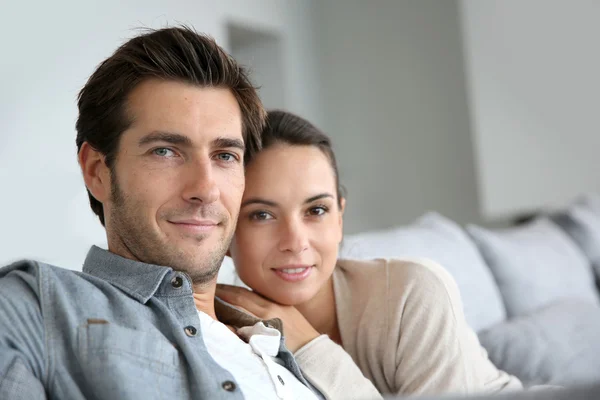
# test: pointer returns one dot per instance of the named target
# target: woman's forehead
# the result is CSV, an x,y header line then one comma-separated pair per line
x,y
285,169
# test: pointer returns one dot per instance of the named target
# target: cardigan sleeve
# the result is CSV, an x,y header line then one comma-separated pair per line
x,y
436,350
332,371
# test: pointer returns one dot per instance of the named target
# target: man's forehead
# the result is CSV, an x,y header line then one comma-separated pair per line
x,y
199,114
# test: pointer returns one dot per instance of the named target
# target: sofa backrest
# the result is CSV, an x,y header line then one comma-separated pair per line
x,y
442,240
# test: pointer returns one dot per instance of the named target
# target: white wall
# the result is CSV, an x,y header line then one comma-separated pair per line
x,y
48,51
262,53
533,73
385,80
395,104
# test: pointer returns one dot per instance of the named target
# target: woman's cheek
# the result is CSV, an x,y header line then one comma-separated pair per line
x,y
328,234
261,242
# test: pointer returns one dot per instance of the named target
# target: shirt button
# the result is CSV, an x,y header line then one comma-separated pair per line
x,y
229,386
280,379
177,282
190,331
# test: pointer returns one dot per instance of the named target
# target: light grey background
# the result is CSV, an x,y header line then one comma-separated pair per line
x,y
478,110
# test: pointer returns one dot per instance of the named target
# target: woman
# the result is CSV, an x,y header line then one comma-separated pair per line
x,y
399,321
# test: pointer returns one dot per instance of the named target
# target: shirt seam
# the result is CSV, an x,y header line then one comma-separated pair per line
x,y
47,333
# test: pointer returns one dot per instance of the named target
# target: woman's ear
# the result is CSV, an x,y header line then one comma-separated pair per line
x,y
342,206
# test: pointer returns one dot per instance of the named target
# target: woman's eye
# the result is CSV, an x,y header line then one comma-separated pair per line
x,y
261,216
317,211
163,152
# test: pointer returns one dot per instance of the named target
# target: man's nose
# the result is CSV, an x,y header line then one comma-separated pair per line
x,y
200,185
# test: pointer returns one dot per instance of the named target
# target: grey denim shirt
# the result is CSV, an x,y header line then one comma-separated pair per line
x,y
120,329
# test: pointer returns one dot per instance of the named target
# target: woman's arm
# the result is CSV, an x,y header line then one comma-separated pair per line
x,y
436,350
333,372
323,363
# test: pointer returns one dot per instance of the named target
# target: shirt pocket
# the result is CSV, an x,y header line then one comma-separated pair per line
x,y
126,363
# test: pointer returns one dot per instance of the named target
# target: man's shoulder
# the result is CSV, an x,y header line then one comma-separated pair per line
x,y
56,292
35,269
22,289
29,275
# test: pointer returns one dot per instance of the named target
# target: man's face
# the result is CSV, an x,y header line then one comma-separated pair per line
x,y
178,178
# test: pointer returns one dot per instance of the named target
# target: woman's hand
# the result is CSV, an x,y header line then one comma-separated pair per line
x,y
298,331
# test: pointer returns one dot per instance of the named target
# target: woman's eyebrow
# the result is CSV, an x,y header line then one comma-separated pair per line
x,y
256,200
318,197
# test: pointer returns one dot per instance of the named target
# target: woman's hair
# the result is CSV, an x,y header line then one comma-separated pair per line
x,y
286,128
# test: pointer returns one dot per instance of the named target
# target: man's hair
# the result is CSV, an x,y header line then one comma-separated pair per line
x,y
179,54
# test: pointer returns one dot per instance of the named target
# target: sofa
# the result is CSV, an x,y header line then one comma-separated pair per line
x,y
530,291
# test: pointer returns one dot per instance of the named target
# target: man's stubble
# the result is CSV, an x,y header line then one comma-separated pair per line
x,y
142,243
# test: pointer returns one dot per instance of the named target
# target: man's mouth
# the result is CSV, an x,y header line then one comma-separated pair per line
x,y
195,225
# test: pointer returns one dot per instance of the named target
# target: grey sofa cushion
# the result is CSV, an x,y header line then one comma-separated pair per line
x,y
535,265
442,240
583,392
583,226
591,201
557,345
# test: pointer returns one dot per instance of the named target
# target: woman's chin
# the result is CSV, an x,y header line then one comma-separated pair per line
x,y
290,299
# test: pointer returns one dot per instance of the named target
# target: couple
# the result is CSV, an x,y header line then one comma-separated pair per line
x,y
174,148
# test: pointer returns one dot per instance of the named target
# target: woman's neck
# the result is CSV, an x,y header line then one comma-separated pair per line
x,y
321,313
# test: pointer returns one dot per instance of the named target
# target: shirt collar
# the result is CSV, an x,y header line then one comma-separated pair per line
x,y
141,281
137,279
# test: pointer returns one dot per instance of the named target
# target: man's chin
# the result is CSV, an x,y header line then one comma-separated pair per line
x,y
199,258
203,274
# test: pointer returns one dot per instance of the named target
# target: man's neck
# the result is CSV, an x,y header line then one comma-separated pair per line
x,y
320,312
116,246
204,298
204,293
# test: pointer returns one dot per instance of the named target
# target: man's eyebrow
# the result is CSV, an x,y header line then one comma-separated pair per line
x,y
182,140
225,142
168,137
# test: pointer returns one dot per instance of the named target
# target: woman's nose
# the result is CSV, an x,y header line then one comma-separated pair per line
x,y
294,237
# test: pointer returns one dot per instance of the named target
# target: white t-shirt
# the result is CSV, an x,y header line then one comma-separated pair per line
x,y
252,364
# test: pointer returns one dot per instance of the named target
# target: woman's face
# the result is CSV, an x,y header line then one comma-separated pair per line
x,y
290,225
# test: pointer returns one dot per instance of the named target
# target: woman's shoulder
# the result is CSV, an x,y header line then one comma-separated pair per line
x,y
394,268
419,276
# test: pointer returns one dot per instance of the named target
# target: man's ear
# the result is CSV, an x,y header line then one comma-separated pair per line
x,y
96,174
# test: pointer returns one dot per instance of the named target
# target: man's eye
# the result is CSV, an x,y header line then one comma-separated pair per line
x,y
261,216
163,152
226,157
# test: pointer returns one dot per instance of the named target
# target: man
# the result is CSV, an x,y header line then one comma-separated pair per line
x,y
164,127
